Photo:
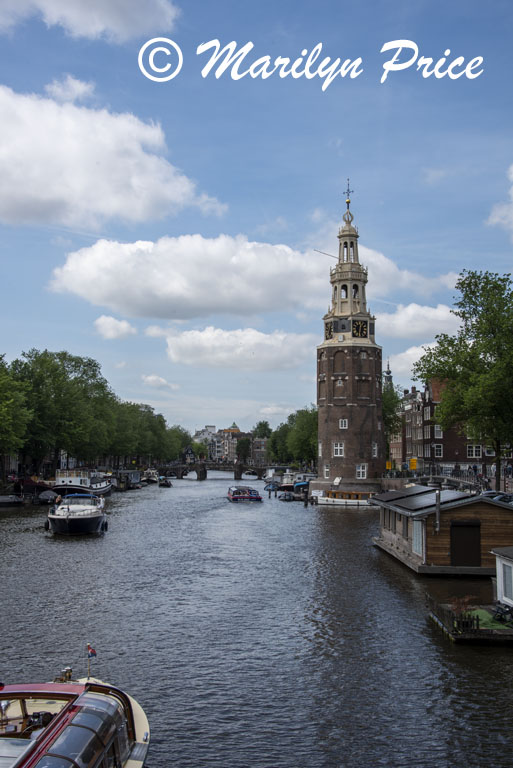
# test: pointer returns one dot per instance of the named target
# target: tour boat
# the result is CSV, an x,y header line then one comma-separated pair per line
x,y
77,514
150,476
80,480
243,493
71,723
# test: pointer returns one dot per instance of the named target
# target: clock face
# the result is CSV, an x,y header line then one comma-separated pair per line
x,y
328,331
360,328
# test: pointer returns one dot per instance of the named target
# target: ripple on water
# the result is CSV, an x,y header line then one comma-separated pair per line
x,y
266,635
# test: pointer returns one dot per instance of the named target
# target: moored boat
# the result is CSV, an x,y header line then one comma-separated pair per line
x,y
77,514
81,480
150,476
243,493
71,723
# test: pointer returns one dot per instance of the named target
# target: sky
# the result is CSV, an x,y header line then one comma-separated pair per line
x,y
164,214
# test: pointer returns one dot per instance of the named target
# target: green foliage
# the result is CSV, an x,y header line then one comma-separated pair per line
x,y
200,450
243,448
14,414
476,365
391,399
296,439
262,429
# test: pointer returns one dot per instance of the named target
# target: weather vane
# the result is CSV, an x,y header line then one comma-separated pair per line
x,y
348,192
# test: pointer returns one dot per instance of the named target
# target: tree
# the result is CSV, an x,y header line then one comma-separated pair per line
x,y
262,429
476,365
277,446
14,414
302,437
243,448
392,419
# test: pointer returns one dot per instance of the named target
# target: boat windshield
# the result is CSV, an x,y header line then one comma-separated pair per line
x,y
79,500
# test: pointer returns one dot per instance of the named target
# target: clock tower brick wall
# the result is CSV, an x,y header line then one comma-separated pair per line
x,y
351,453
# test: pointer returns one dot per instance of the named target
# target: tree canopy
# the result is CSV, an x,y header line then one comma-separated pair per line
x,y
475,366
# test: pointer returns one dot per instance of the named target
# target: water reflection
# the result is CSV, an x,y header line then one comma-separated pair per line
x,y
270,635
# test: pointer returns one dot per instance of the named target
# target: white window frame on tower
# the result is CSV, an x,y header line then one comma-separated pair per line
x,y
338,450
374,450
326,471
361,471
320,449
343,423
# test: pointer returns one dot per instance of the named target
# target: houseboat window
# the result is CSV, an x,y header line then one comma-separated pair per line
x,y
80,744
405,527
417,537
507,581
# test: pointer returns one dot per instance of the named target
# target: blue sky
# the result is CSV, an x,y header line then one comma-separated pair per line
x,y
168,229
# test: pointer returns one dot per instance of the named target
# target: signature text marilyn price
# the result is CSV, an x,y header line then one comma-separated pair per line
x,y
161,59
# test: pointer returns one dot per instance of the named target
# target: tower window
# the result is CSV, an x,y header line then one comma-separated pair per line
x,y
361,471
326,471
345,251
355,291
343,423
352,252
374,450
343,292
335,294
338,449
320,450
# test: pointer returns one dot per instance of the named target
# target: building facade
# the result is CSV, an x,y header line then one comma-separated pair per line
x,y
351,452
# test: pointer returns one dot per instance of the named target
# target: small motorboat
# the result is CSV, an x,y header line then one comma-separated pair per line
x,y
71,723
287,496
165,482
12,500
77,514
243,493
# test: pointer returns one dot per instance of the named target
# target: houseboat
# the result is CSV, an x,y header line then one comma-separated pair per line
x,y
76,515
81,481
445,532
345,499
71,723
243,493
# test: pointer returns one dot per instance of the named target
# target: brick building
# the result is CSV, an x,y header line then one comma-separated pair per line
x,y
349,369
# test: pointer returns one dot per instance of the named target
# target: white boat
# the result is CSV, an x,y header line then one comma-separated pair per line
x,y
71,723
150,476
77,514
81,481
344,499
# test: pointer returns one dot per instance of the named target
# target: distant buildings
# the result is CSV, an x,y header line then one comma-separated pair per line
x,y
222,444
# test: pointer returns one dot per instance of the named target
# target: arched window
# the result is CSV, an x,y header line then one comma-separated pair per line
x,y
345,251
335,295
355,291
352,251
343,291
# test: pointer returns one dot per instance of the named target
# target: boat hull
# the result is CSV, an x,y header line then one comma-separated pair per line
x,y
77,525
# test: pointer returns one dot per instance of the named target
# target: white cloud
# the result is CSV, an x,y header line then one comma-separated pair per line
x,y
152,380
192,276
413,321
116,20
74,166
241,349
69,89
110,328
121,364
401,364
502,213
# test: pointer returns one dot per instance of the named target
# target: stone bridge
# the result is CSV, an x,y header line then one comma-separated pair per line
x,y
202,467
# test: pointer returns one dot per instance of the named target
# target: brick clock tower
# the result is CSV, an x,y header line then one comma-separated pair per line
x,y
351,455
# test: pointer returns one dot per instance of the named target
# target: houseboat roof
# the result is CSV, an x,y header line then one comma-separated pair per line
x,y
421,500
506,552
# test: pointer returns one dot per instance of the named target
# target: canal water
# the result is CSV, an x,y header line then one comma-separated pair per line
x,y
266,636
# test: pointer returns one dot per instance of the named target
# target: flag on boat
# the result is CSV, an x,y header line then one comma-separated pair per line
x,y
90,651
